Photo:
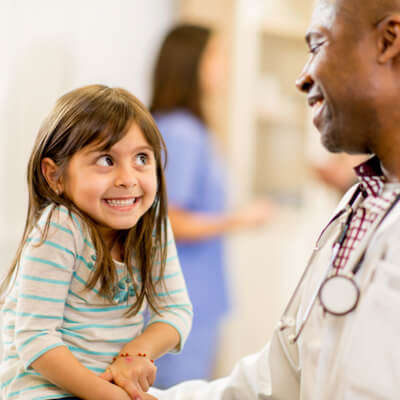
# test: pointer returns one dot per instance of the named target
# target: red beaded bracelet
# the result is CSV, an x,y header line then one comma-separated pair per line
x,y
125,355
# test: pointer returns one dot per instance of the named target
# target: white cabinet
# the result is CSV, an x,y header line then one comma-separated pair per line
x,y
278,117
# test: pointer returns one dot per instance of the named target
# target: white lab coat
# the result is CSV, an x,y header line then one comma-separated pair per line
x,y
354,357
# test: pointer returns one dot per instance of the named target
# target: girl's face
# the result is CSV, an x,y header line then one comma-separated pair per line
x,y
114,187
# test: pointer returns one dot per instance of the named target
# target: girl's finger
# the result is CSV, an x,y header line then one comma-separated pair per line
x,y
147,396
107,375
144,384
132,389
152,376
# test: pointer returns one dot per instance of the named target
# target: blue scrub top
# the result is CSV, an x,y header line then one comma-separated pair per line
x,y
195,182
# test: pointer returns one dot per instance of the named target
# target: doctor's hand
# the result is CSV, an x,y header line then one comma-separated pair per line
x,y
255,213
134,373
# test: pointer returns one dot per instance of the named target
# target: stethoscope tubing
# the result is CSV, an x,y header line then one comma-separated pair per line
x,y
285,323
315,250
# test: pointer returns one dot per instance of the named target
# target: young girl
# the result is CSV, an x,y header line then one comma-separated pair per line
x,y
96,251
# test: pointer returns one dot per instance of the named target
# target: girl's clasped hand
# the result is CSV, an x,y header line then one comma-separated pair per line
x,y
133,372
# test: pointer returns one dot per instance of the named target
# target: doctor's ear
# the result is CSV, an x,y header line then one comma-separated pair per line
x,y
389,38
51,173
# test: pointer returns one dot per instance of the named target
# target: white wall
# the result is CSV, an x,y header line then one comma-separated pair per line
x,y
49,47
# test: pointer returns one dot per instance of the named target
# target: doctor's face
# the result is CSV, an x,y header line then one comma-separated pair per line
x,y
337,78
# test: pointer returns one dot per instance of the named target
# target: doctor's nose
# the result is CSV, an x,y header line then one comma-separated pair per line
x,y
304,82
125,178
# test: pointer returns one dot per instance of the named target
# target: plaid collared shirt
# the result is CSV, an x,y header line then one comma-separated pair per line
x,y
376,202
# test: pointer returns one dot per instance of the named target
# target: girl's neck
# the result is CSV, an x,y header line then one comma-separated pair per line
x,y
113,244
116,249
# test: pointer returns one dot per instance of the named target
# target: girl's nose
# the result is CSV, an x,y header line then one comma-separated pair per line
x,y
125,178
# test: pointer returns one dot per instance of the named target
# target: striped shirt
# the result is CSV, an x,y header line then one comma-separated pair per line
x,y
50,306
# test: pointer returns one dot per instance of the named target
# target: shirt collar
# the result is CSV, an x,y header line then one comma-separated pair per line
x,y
371,176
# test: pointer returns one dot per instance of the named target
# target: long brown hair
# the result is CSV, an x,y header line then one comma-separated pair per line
x,y
176,73
99,114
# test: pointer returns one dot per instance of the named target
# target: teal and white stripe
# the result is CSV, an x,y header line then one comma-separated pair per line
x,y
52,307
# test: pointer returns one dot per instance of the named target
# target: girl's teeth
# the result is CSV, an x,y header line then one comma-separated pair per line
x,y
121,203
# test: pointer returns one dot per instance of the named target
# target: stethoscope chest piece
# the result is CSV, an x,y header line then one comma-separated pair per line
x,y
339,295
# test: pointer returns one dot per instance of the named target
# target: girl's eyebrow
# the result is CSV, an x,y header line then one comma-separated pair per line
x,y
141,148
100,150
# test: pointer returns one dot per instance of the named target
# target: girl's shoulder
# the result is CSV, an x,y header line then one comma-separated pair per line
x,y
59,218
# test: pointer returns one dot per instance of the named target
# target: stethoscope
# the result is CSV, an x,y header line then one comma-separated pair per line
x,y
338,292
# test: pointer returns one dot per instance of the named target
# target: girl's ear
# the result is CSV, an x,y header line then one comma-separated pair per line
x,y
51,173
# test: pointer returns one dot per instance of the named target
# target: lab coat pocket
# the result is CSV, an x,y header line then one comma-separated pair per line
x,y
372,363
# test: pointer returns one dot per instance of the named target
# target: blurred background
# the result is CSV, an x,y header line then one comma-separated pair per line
x,y
262,123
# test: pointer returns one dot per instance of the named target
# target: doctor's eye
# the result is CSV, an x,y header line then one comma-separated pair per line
x,y
105,161
314,47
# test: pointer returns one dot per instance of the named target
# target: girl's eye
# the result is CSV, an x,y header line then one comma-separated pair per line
x,y
142,159
105,161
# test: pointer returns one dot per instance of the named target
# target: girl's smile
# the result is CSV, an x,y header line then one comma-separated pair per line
x,y
122,204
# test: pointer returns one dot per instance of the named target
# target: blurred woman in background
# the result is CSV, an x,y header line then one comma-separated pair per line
x,y
188,69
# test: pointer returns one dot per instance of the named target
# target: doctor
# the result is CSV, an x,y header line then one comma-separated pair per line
x,y
339,338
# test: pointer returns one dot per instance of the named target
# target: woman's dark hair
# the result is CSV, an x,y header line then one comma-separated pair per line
x,y
176,74
101,115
